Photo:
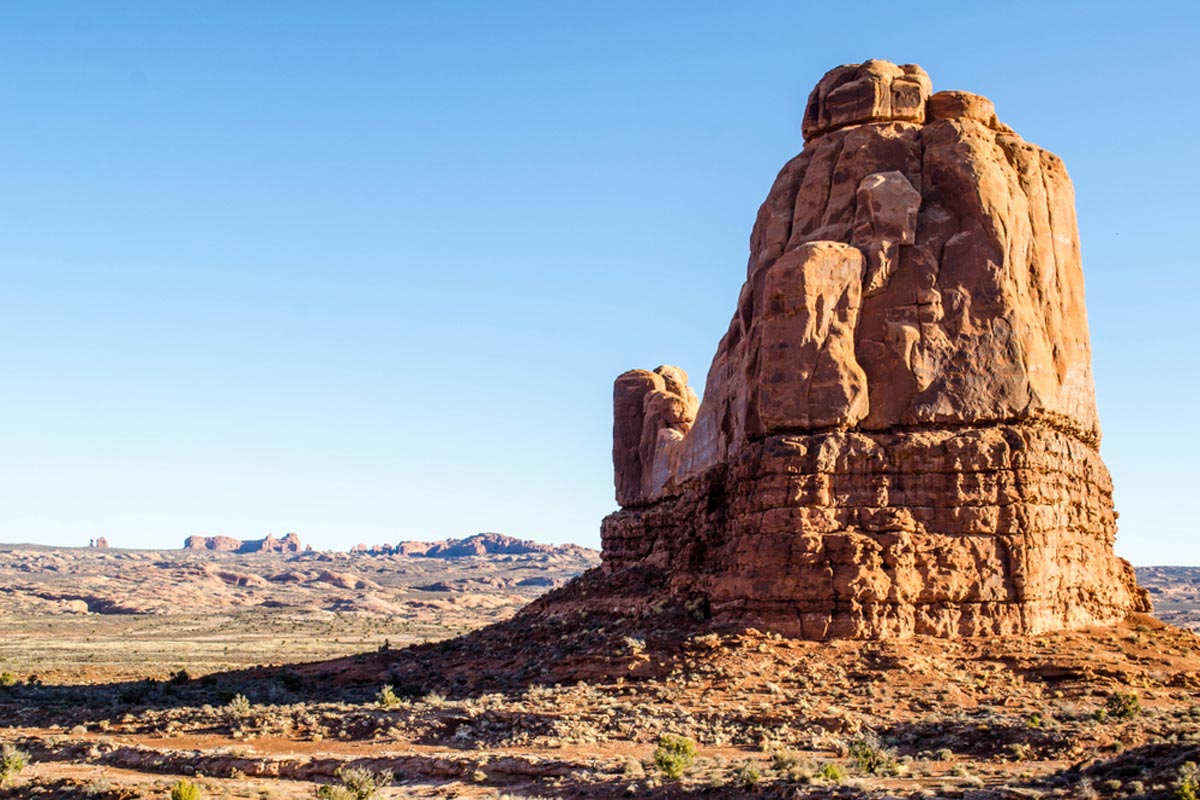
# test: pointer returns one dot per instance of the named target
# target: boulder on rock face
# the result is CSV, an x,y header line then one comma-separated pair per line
x,y
899,432
653,411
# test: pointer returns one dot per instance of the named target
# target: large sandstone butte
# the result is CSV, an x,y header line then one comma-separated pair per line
x,y
898,434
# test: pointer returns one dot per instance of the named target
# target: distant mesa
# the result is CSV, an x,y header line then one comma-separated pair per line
x,y
227,544
481,544
100,542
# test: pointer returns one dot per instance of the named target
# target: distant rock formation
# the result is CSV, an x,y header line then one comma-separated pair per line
x,y
288,544
899,432
98,542
478,545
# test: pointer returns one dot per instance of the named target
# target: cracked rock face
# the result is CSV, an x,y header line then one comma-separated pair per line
x,y
899,432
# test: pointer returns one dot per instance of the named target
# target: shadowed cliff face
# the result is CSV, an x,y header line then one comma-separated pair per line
x,y
911,346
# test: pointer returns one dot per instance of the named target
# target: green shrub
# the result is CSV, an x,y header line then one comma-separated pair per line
x,y
748,774
185,790
783,759
1187,787
674,755
387,698
8,680
12,761
1122,705
871,756
832,772
238,706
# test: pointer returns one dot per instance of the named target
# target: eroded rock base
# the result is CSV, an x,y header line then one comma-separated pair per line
x,y
990,530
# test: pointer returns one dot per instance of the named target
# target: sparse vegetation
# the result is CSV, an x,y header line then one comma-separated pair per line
x,y
871,756
12,762
387,699
1187,784
793,703
749,774
356,784
7,680
183,789
674,755
238,706
1122,705
832,771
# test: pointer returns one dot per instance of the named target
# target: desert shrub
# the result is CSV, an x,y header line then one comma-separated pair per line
x,y
357,784
12,761
8,680
331,792
1122,705
1187,786
185,790
387,698
135,693
748,774
290,679
832,772
783,759
674,755
180,677
871,756
97,787
238,706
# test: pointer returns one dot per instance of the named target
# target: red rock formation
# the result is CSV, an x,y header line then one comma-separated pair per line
x,y
478,545
899,432
288,544
222,543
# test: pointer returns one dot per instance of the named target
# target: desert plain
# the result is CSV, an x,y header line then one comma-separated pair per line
x,y
275,675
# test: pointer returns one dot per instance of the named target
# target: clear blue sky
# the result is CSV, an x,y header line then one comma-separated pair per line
x,y
366,271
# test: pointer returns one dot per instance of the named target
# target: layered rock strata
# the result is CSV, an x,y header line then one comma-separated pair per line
x,y
899,432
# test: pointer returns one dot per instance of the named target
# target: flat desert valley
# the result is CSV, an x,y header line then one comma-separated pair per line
x,y
310,674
